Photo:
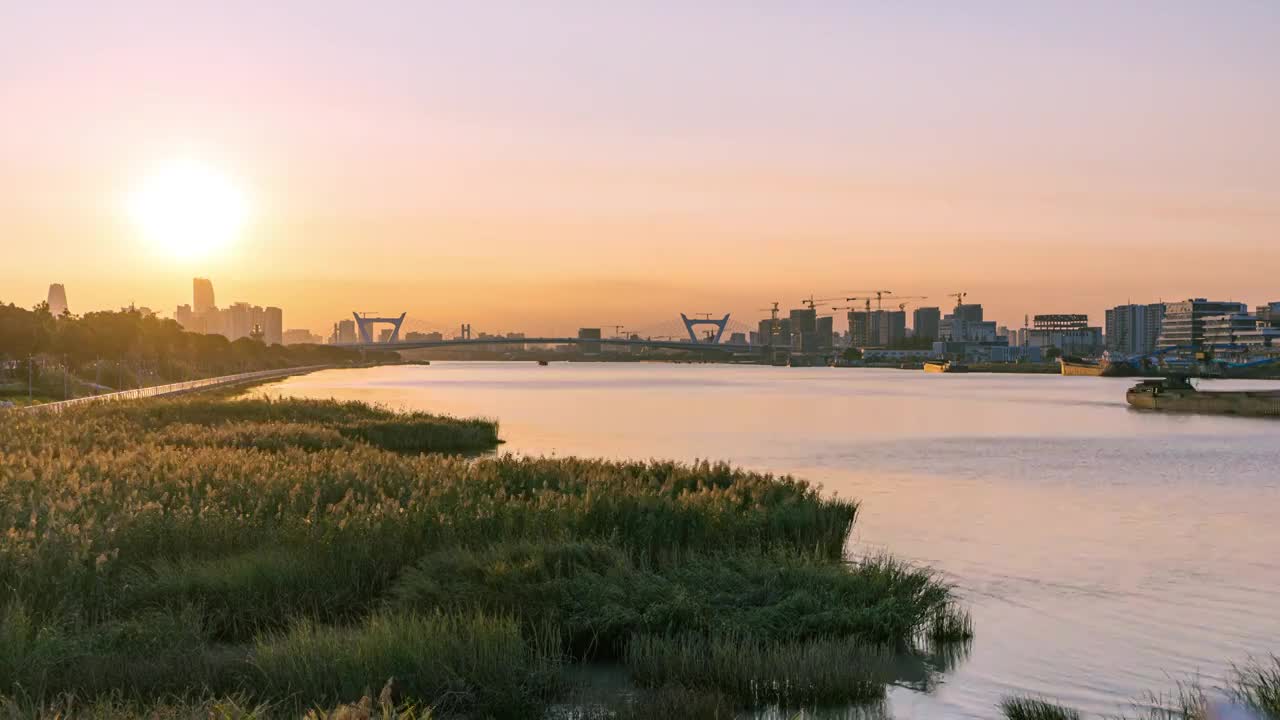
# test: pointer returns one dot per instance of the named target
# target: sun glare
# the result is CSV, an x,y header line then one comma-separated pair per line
x,y
188,209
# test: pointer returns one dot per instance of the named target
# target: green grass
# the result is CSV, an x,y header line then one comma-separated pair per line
x,y
1027,708
756,673
293,555
1257,685
474,663
600,596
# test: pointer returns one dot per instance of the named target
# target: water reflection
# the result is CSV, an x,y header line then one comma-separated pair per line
x,y
1103,552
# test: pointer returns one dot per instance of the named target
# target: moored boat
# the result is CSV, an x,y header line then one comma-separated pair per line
x,y
944,366
1079,367
1176,394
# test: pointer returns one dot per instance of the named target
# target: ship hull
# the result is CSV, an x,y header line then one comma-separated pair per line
x,y
1182,400
933,366
1080,369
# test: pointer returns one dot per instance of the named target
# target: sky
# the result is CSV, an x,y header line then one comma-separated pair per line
x,y
552,165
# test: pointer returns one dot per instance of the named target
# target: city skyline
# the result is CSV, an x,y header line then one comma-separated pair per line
x,y
543,170
202,289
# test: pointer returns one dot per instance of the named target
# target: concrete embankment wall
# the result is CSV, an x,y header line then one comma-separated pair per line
x,y
177,388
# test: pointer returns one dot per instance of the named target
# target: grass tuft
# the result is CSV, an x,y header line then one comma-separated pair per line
x,y
760,673
1028,708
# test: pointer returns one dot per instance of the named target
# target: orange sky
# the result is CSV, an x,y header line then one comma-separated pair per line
x,y
568,165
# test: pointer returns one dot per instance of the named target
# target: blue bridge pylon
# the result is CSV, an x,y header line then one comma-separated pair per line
x,y
365,326
720,325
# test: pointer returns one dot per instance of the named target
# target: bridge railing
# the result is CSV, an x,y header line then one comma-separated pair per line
x,y
175,388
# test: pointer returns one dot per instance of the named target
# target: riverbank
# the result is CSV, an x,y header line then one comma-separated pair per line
x,y
288,555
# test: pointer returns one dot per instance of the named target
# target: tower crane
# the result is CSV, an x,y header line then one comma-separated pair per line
x,y
879,295
959,296
865,298
773,320
811,301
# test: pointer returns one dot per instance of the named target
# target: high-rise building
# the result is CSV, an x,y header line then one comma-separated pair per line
x,y
273,326
185,318
57,299
344,331
202,295
971,313
924,320
1134,329
295,336
1184,321
824,334
239,322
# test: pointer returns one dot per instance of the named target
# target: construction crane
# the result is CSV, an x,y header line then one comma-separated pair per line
x,y
903,306
617,330
880,294
811,301
773,311
959,296
865,298
773,320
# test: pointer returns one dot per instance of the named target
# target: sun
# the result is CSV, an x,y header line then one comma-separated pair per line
x,y
188,209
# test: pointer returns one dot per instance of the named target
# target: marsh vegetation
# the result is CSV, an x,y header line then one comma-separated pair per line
x,y
283,556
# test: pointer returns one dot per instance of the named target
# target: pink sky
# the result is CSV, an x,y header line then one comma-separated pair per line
x,y
544,166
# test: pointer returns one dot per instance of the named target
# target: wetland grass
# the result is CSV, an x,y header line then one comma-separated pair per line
x,y
1028,708
290,555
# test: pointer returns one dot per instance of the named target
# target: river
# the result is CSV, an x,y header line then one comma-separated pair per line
x,y
1104,552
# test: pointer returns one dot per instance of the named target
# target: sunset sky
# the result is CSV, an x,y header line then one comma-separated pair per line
x,y
541,166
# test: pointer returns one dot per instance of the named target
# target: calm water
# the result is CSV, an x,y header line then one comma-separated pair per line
x,y
1104,552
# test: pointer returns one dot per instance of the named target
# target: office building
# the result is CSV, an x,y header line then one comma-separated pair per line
x,y
344,331
1134,329
239,321
1183,324
925,321
57,299
970,313
202,295
273,326
299,337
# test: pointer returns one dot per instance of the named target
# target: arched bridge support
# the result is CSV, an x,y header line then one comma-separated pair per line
x,y
720,325
364,326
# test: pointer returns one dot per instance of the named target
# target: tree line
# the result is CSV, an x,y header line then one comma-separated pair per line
x,y
128,348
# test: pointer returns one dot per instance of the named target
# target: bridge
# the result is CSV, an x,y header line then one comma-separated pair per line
x,y
574,340
587,336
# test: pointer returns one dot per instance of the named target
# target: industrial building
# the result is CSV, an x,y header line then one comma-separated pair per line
x,y
1069,333
1183,323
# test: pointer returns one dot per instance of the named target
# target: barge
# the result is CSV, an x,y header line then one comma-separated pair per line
x,y
1176,394
944,366
1080,367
